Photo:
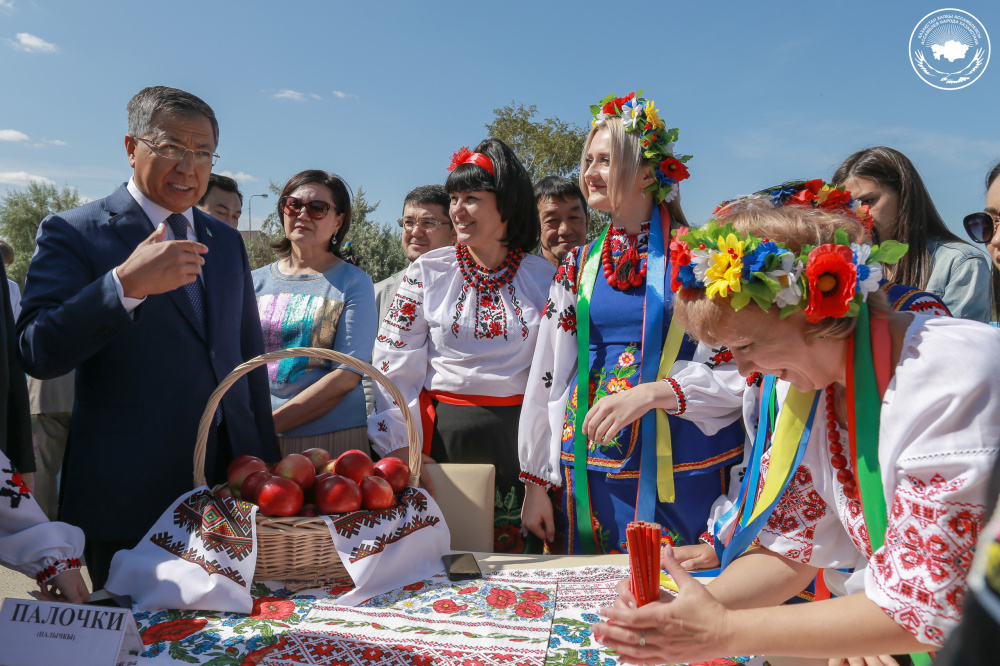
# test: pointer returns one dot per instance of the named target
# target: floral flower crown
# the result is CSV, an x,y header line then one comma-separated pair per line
x,y
810,194
639,115
831,280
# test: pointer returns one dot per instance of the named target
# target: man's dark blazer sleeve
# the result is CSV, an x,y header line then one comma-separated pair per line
x,y
252,345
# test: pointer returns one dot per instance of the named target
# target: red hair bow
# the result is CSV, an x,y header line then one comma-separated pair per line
x,y
466,156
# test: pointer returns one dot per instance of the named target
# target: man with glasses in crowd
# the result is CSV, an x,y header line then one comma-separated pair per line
x,y
425,226
151,301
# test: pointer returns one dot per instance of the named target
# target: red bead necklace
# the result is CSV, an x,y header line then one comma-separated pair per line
x,y
838,460
491,279
624,275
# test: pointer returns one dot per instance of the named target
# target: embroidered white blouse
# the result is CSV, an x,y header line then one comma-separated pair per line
x,y
443,335
29,543
708,386
938,438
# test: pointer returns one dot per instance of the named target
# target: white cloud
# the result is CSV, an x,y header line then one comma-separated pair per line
x,y
239,175
57,142
290,94
12,135
7,4
340,94
32,44
315,96
22,178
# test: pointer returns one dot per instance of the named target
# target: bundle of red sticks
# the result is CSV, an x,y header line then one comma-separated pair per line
x,y
644,560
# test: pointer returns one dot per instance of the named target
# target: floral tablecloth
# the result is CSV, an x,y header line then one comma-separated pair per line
x,y
537,617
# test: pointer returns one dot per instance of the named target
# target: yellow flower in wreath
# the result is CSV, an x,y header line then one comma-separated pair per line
x,y
726,268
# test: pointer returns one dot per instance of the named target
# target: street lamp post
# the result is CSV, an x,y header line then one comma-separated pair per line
x,y
250,213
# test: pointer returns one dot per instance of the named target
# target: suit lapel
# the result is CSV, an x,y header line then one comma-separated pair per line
x,y
132,224
209,271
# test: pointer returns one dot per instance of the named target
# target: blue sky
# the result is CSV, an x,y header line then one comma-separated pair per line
x,y
382,93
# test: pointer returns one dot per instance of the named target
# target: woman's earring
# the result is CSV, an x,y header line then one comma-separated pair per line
x,y
643,195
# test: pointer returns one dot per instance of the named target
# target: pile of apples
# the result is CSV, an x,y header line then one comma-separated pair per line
x,y
312,483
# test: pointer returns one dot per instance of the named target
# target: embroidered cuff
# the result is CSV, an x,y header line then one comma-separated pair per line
x,y
707,538
535,480
679,394
55,569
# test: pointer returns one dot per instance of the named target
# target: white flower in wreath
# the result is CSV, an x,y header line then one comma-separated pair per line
x,y
601,117
787,275
672,195
670,148
700,263
869,275
630,113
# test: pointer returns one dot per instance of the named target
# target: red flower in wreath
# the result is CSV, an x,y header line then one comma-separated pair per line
x,y
615,106
448,606
835,199
534,595
674,169
174,630
832,279
272,608
680,255
499,598
529,609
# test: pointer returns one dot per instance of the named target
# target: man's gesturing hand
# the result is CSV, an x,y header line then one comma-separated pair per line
x,y
157,266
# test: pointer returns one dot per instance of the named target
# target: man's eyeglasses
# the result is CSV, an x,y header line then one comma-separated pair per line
x,y
424,223
317,209
172,151
981,226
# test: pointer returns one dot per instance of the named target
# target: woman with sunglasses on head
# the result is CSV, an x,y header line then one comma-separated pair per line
x,y
460,333
311,297
938,261
609,453
984,228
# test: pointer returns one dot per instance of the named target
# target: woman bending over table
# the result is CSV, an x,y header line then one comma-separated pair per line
x,y
611,454
879,459
460,333
311,297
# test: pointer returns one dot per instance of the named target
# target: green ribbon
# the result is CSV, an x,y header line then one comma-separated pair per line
x,y
581,489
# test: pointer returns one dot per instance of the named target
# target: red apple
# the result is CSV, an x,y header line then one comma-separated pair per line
x,y
318,457
222,490
355,465
298,468
338,494
376,493
328,468
239,472
252,484
279,497
239,460
321,476
395,471
271,466
308,511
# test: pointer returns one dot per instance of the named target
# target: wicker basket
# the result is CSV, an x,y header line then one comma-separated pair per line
x,y
298,548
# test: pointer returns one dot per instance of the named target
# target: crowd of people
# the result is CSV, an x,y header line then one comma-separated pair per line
x,y
800,391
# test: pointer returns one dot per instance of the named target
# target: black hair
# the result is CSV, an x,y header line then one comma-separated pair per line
x,y
993,174
429,194
917,220
558,187
341,201
224,183
148,101
511,184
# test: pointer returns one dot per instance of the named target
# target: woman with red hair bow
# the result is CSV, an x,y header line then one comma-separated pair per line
x,y
460,334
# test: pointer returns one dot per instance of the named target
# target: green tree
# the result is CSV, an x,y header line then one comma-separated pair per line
x,y
377,246
549,147
21,211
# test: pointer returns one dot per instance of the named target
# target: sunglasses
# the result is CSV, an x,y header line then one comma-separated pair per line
x,y
981,226
317,210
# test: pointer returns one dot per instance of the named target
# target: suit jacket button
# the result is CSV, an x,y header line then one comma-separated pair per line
x,y
211,355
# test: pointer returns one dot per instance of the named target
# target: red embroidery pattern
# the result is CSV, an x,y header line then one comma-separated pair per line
x,y
164,541
536,480
682,404
55,569
719,356
929,546
402,313
13,487
567,320
566,273
223,524
795,517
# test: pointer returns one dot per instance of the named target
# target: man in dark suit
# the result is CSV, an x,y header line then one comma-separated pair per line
x,y
151,301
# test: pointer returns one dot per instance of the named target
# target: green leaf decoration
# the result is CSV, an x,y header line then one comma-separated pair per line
x,y
773,285
787,310
740,299
840,237
888,252
595,109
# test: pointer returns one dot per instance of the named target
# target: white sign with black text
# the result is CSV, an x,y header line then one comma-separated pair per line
x,y
41,632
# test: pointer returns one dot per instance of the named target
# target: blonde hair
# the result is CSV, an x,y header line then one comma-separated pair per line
x,y
626,158
795,227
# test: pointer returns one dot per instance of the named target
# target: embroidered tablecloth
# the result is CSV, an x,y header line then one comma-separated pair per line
x,y
537,617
